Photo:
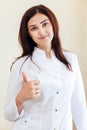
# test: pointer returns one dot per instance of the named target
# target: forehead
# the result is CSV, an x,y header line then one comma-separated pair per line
x,y
37,18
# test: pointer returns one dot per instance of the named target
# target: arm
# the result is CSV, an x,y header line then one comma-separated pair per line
x,y
19,90
79,110
14,86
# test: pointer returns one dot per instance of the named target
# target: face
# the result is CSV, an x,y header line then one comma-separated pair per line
x,y
41,31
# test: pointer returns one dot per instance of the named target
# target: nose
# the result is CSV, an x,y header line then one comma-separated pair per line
x,y
41,31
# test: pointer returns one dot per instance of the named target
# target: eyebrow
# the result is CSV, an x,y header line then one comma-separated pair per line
x,y
40,23
43,21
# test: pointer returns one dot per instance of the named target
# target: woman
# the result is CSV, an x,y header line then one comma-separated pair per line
x,y
45,90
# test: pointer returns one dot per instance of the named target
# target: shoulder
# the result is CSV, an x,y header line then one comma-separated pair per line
x,y
19,62
71,56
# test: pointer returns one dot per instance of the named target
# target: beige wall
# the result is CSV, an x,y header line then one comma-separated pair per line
x,y
84,45
72,18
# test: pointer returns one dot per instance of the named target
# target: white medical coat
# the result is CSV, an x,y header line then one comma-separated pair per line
x,y
62,94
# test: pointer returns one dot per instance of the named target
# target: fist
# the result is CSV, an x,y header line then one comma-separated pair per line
x,y
30,89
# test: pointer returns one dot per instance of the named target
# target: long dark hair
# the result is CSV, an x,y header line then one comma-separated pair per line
x,y
27,42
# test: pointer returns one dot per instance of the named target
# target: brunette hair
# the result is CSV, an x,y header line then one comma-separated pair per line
x,y
27,42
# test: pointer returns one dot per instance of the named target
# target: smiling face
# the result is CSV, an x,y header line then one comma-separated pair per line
x,y
41,31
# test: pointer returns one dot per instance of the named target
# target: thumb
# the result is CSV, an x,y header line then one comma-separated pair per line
x,y
24,77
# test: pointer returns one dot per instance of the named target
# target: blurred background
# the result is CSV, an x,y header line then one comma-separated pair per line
x,y
72,18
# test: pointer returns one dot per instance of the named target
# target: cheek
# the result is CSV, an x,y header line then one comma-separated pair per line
x,y
32,35
50,30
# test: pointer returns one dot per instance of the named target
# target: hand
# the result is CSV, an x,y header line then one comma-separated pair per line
x,y
29,90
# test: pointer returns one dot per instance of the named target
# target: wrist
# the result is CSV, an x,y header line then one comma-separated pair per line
x,y
19,103
19,100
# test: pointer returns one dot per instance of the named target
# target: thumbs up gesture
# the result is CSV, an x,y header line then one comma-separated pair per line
x,y
29,90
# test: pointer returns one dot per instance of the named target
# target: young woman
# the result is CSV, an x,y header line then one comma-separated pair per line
x,y
45,90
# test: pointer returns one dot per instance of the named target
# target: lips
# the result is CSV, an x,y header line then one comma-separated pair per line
x,y
43,37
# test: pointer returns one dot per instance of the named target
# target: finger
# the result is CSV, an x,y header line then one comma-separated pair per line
x,y
37,94
38,91
37,87
25,79
36,82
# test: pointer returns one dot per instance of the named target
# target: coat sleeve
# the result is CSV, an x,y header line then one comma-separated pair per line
x,y
79,109
14,86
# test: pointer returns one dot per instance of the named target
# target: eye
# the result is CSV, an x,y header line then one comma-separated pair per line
x,y
45,24
33,28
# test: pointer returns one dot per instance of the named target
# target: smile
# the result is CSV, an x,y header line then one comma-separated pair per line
x,y
43,37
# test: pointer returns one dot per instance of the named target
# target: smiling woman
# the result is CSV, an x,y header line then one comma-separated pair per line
x,y
46,90
41,31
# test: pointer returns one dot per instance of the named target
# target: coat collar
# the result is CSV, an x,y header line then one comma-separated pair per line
x,y
40,54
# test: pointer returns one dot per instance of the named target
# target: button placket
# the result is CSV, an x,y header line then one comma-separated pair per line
x,y
56,105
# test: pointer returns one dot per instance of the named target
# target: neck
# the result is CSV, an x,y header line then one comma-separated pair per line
x,y
47,51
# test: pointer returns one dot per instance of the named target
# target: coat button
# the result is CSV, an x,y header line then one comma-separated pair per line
x,y
57,92
25,121
56,110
